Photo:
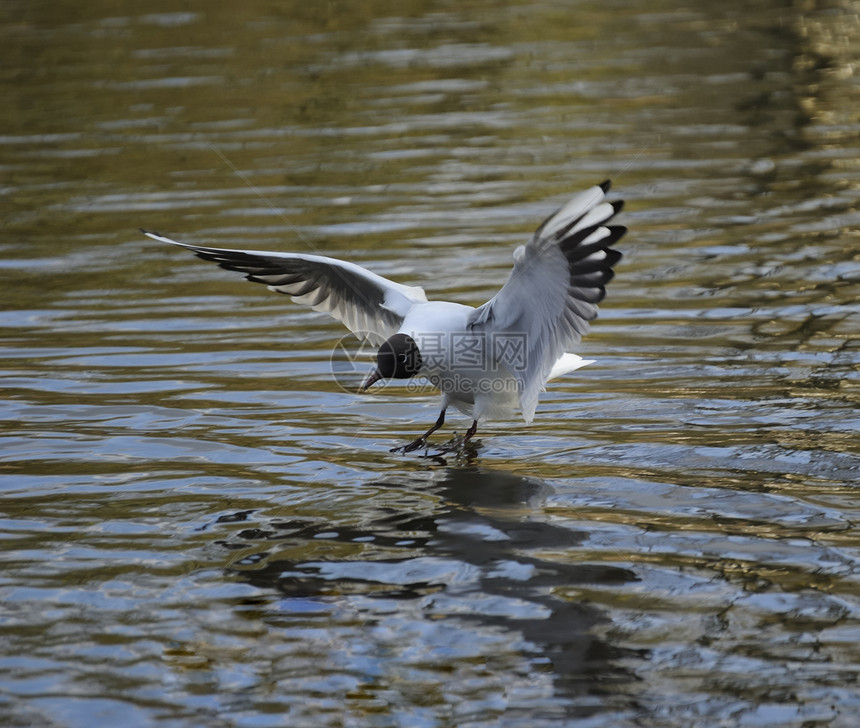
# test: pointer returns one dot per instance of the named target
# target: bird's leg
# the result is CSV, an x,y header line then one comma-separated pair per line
x,y
458,442
419,443
470,432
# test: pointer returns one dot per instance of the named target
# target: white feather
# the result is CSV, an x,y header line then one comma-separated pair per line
x,y
369,305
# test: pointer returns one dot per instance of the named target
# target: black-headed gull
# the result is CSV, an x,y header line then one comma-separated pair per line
x,y
486,361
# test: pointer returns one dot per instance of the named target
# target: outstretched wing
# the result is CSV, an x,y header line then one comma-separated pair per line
x,y
558,279
369,305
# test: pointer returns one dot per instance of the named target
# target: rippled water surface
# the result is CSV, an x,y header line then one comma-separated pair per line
x,y
201,528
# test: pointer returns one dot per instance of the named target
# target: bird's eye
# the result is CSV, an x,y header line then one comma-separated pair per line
x,y
403,358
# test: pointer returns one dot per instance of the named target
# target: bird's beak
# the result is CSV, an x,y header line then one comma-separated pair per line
x,y
370,380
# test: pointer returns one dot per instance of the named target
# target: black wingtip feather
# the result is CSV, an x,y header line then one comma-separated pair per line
x,y
616,232
606,185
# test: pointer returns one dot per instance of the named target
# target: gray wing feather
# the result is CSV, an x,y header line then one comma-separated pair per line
x,y
558,279
369,305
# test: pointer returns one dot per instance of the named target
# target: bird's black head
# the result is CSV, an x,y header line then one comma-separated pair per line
x,y
397,358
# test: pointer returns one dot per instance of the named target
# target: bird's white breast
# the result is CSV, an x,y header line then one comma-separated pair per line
x,y
458,361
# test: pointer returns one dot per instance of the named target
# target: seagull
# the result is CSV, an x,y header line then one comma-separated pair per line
x,y
487,361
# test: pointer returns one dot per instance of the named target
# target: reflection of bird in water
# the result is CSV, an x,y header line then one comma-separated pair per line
x,y
486,361
464,559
